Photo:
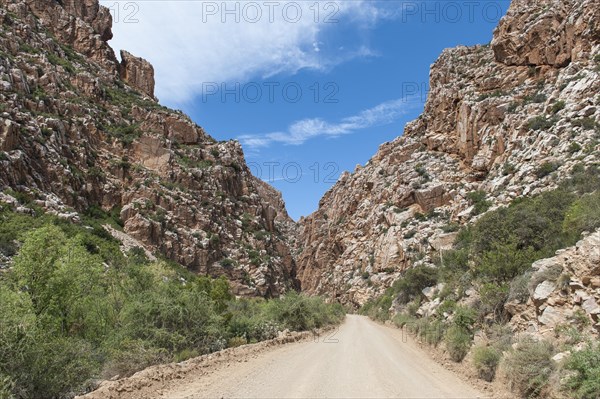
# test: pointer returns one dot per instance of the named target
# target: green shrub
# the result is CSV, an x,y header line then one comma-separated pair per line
x,y
519,290
458,342
504,263
74,308
35,361
421,171
486,361
401,320
587,123
557,106
583,180
126,134
7,386
529,366
574,147
413,282
583,215
535,98
464,317
128,356
493,298
261,235
500,336
585,382
236,341
545,169
541,123
298,312
227,263
379,308
508,169
451,227
477,199
63,62
430,330
185,355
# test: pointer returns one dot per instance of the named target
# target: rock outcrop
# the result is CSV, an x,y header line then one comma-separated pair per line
x,y
571,294
137,72
80,131
548,32
494,115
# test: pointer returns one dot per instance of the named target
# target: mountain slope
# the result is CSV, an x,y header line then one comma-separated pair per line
x,y
501,121
81,132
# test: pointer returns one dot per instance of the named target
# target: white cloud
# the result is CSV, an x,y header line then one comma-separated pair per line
x,y
301,131
189,46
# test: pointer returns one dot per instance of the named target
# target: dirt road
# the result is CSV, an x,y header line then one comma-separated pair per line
x,y
362,360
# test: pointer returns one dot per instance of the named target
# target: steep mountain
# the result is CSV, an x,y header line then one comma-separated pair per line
x,y
502,121
82,132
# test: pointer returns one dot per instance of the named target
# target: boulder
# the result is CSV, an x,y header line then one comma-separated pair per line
x,y
591,306
543,291
553,316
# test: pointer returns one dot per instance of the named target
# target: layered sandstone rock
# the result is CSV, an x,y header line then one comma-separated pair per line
x,y
548,32
78,129
137,72
494,114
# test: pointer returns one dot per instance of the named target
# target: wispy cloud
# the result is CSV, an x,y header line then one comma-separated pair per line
x,y
301,131
191,43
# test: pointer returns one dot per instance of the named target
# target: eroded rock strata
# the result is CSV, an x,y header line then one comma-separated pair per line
x,y
79,130
494,115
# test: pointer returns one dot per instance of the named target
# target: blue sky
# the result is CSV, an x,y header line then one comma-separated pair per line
x,y
310,89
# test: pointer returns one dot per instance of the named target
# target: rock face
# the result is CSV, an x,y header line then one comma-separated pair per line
x,y
137,72
81,24
575,294
494,114
548,32
78,130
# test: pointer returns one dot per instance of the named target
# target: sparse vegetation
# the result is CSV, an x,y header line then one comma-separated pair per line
x,y
584,383
574,147
458,342
480,204
63,62
508,169
535,98
529,366
486,359
451,228
557,107
545,169
541,123
586,123
227,263
126,134
422,172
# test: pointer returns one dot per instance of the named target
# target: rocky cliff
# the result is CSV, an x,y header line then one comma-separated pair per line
x,y
501,121
80,131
